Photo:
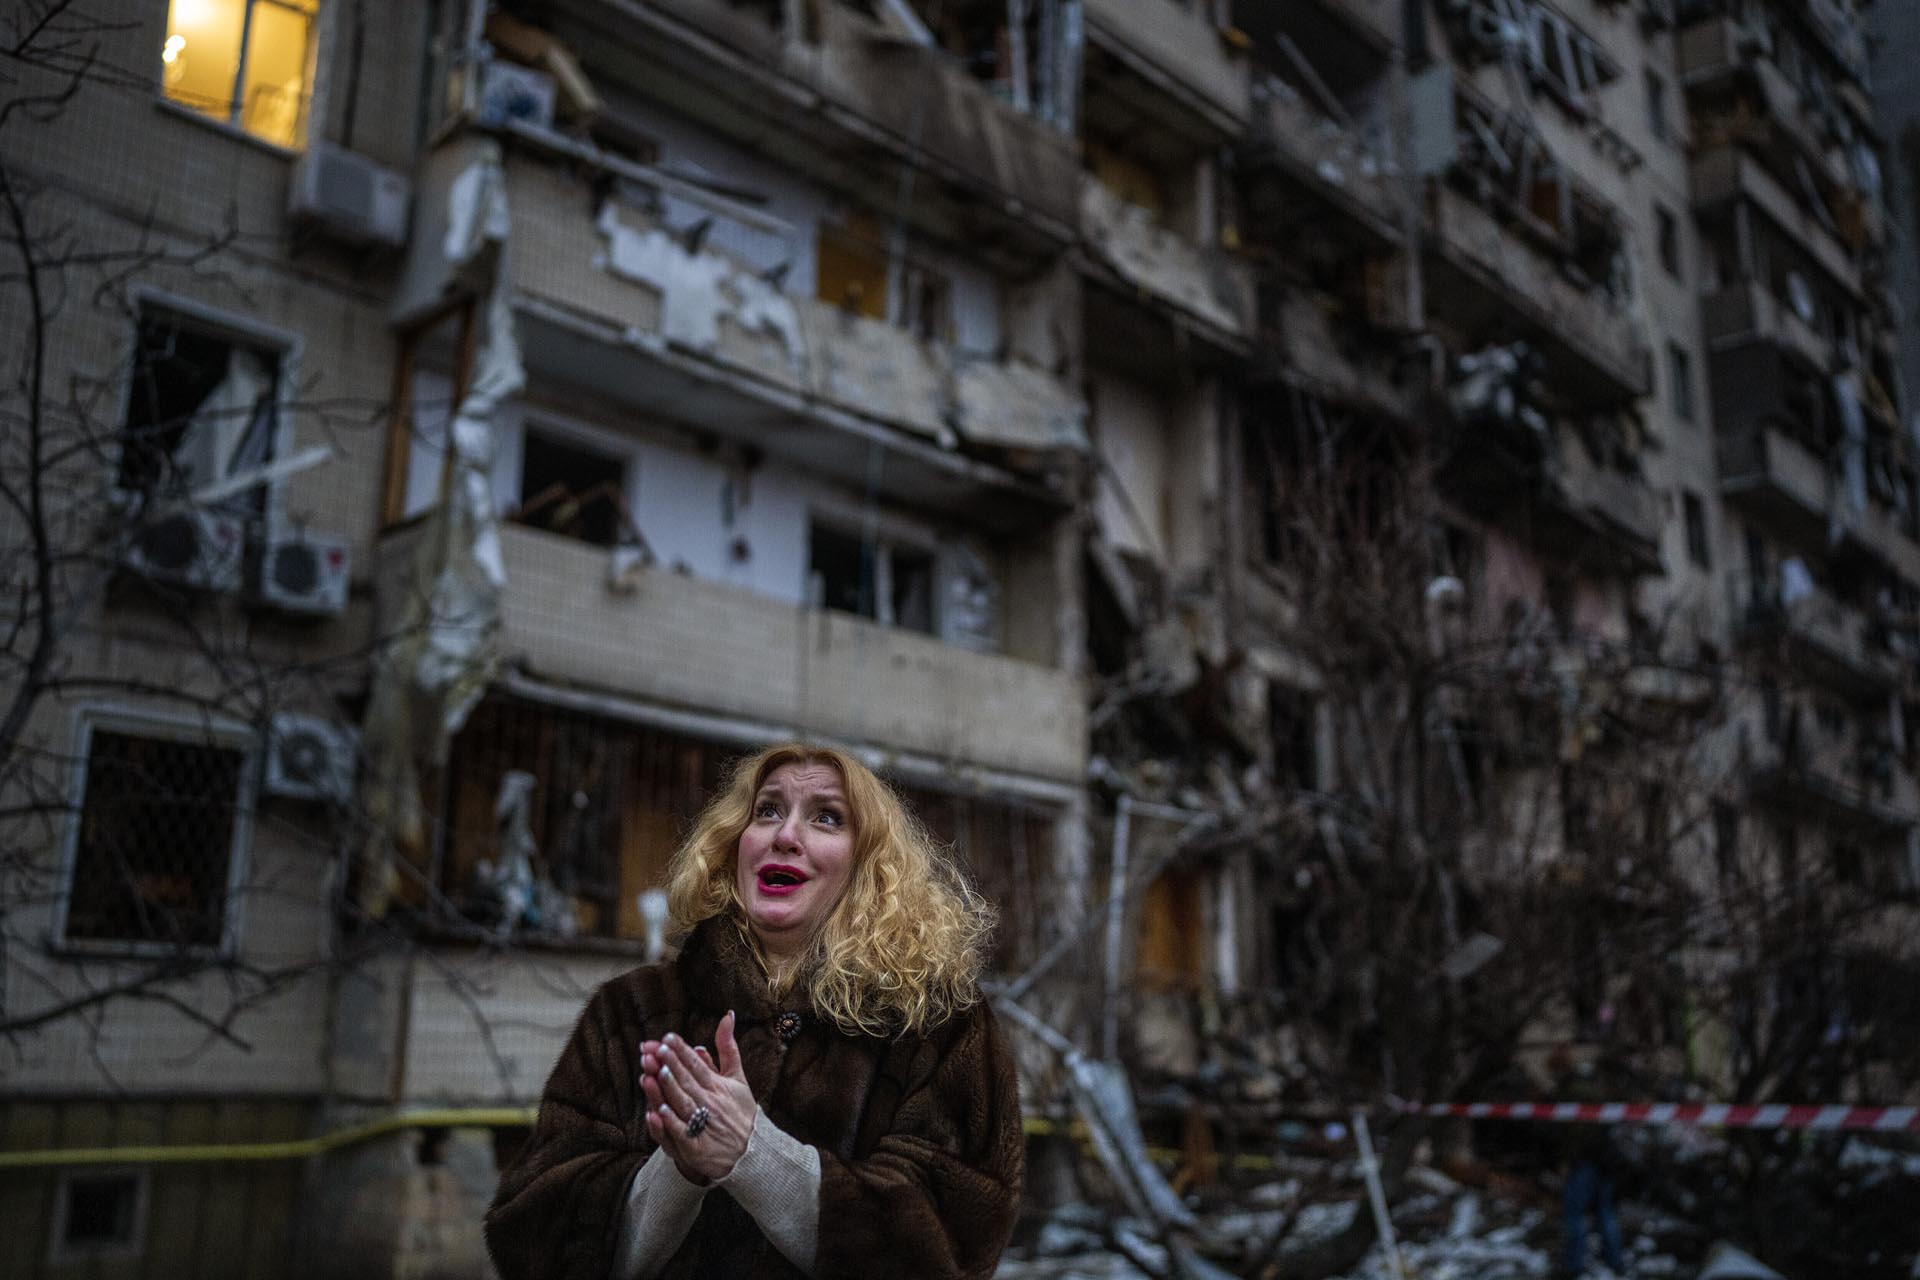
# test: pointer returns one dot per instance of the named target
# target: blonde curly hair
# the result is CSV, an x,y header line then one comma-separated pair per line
x,y
902,949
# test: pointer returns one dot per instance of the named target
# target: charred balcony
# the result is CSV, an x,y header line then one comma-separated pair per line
x,y
1816,758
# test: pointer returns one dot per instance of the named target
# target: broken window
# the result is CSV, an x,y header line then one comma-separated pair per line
x,y
572,490
1555,55
569,845
202,407
890,582
854,270
159,828
242,62
1698,549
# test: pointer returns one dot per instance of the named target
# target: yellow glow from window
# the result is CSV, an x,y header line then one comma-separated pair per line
x,y
266,92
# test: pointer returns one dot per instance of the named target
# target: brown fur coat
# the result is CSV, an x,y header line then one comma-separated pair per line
x,y
921,1149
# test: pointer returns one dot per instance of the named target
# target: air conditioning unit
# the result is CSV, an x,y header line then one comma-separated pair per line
x,y
510,92
187,547
299,572
349,196
310,758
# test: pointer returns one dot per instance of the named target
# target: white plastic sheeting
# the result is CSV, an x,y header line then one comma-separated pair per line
x,y
441,650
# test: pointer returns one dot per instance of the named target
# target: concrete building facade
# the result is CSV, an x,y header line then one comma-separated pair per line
x,y
640,383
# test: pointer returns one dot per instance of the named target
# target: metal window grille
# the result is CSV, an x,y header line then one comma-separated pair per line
x,y
155,845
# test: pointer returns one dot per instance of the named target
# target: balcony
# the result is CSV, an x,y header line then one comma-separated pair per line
x,y
1847,778
1487,279
1724,175
852,101
1313,154
1207,287
616,307
677,642
1585,513
1833,642
1329,356
1192,81
1745,313
1775,477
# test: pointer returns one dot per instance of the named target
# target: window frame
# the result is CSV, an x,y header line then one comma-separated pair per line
x,y
888,534
314,103
1681,397
287,345
167,726
61,1253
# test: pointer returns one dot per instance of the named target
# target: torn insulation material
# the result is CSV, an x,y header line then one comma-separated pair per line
x,y
443,651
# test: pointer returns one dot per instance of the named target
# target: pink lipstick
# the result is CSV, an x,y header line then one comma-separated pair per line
x,y
779,880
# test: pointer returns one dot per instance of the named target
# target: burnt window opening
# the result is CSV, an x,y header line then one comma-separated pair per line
x,y
886,581
1699,549
202,405
100,1212
155,844
572,490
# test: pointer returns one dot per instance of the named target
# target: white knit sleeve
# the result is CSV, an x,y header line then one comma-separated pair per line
x,y
661,1207
777,1180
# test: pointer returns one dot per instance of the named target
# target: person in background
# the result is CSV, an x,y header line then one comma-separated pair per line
x,y
1592,1162
812,1087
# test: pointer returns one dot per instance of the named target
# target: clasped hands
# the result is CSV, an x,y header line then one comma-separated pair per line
x,y
677,1078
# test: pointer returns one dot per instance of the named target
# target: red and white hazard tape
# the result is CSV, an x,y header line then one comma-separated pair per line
x,y
1701,1115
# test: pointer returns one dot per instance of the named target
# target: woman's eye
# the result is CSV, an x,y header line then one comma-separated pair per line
x,y
766,809
831,817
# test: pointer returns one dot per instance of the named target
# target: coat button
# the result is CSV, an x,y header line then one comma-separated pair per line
x,y
787,1026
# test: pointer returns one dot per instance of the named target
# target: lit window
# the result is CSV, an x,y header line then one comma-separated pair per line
x,y
160,822
242,62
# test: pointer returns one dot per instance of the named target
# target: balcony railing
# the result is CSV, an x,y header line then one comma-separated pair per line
x,y
1837,642
1746,312
1324,157
1595,348
674,641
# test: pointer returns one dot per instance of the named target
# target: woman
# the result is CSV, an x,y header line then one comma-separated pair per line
x,y
856,1113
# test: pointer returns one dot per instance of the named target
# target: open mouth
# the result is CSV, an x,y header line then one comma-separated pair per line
x,y
777,879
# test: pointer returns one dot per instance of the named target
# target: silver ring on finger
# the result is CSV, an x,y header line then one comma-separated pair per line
x,y
697,1121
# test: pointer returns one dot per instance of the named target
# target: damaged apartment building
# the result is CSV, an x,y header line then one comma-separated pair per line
x,y
596,391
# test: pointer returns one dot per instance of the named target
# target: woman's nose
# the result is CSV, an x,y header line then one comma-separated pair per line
x,y
788,836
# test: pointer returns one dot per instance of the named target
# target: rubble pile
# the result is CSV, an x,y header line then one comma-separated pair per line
x,y
1483,1224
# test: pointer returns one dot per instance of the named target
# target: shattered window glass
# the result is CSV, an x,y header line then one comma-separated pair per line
x,y
202,407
